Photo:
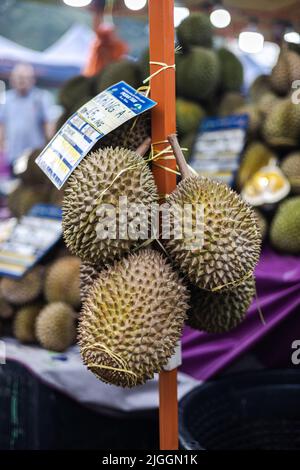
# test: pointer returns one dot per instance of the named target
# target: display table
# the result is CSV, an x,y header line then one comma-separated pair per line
x,y
278,295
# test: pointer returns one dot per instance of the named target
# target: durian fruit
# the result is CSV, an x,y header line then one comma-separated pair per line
x,y
188,116
266,103
132,320
254,117
24,197
89,272
285,72
6,310
230,102
231,71
126,70
285,226
144,64
291,168
24,323
282,124
256,156
74,89
220,312
32,174
100,180
260,87
195,30
187,144
24,290
224,246
55,326
129,135
198,74
62,282
261,223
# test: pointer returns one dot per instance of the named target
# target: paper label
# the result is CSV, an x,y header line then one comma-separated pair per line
x,y
97,118
32,237
218,146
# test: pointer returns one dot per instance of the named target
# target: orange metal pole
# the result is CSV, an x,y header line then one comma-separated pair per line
x,y
161,23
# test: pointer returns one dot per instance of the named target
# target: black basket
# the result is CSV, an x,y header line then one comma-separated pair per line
x,y
257,410
35,416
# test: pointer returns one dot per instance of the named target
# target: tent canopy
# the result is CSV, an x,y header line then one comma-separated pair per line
x,y
58,63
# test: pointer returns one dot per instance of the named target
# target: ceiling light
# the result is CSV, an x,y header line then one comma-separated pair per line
x,y
135,4
292,36
220,18
77,3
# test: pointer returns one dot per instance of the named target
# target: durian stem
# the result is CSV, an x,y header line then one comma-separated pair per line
x,y
181,162
144,147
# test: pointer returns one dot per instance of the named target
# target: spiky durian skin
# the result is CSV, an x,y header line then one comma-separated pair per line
x,y
126,70
259,87
132,319
231,70
24,323
55,326
89,272
195,30
230,239
198,74
130,135
291,168
6,310
24,290
112,173
188,116
62,281
285,227
220,312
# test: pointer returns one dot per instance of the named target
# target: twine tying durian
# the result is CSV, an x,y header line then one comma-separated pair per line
x,y
163,67
112,355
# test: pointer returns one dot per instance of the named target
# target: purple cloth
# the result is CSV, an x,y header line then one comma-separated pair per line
x,y
278,292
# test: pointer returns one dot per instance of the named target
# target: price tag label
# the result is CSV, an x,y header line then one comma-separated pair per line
x,y
97,118
218,147
31,238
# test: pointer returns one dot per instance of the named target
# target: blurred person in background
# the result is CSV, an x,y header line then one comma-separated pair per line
x,y
25,118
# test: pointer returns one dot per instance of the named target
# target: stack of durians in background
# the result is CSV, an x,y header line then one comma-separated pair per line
x,y
43,306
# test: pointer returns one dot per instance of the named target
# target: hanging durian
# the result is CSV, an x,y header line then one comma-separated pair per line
x,y
74,89
55,326
220,312
62,281
24,323
230,102
226,248
132,319
88,274
24,290
92,197
259,87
